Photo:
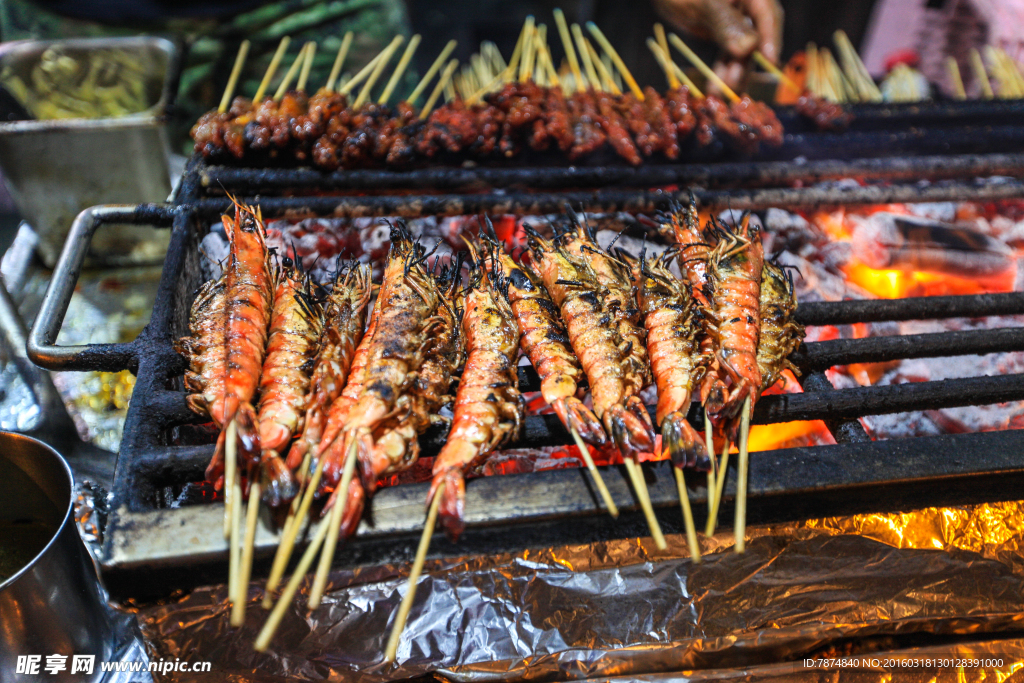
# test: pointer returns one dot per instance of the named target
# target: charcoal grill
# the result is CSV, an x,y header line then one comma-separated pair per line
x,y
151,549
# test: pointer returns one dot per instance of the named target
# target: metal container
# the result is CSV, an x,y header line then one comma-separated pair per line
x,y
53,605
56,168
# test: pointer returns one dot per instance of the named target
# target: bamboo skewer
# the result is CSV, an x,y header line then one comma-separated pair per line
x,y
980,75
684,503
229,89
549,66
306,66
636,475
316,593
712,479
723,472
659,56
856,71
410,50
702,67
811,53
616,60
434,68
588,64
954,78
362,74
570,53
229,478
512,70
766,64
282,47
606,496
662,41
278,566
741,479
245,570
292,71
230,473
525,63
289,535
235,543
364,94
346,43
391,651
606,76
288,594
665,59
441,83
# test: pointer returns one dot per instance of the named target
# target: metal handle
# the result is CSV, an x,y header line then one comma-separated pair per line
x,y
105,357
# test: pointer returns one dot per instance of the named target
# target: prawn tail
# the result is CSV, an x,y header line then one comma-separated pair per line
x,y
277,483
631,434
452,506
577,417
684,443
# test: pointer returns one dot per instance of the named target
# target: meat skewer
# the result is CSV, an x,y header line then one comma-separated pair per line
x,y
293,340
546,342
336,362
488,413
667,310
395,444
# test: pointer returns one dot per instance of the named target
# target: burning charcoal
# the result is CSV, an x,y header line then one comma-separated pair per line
x,y
891,241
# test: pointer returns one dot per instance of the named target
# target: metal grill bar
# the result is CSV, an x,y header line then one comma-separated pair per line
x,y
913,308
825,354
608,201
216,178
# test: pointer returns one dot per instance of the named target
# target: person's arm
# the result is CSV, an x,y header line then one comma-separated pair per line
x,y
738,26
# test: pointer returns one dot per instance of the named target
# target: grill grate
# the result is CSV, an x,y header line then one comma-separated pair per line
x,y
146,550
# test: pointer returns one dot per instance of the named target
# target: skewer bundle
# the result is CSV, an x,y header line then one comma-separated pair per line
x,y
494,110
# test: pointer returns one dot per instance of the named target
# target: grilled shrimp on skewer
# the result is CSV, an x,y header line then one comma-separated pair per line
x,y
396,442
667,310
616,277
406,321
595,339
204,349
488,406
545,340
344,319
683,225
231,317
780,334
735,277
295,329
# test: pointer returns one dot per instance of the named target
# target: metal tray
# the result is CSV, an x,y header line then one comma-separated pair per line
x,y
56,168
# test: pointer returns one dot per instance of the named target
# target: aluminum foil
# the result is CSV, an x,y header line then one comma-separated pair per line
x,y
868,583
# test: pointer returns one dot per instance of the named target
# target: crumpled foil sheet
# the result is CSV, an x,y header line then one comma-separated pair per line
x,y
868,583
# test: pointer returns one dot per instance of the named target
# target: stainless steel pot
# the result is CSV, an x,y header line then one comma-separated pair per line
x,y
53,604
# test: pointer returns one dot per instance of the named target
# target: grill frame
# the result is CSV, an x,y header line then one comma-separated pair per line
x,y
143,556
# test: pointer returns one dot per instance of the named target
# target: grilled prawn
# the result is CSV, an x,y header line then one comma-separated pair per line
x,y
204,349
295,328
735,278
488,406
683,225
780,334
545,341
396,441
615,276
667,310
344,318
406,321
227,357
595,339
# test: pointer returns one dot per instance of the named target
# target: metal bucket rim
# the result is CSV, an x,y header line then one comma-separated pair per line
x,y
68,513
154,115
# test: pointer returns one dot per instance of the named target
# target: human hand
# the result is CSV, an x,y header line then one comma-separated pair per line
x,y
738,26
